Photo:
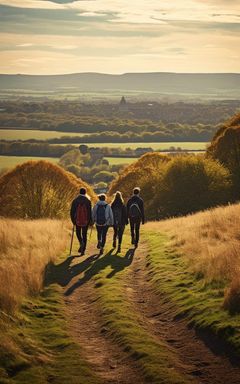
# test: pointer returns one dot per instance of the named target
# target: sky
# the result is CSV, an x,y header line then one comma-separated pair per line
x,y
119,36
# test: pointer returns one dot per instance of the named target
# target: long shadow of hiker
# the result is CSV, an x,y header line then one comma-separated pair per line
x,y
63,273
117,263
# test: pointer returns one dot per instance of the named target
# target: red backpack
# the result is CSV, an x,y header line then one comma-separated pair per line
x,y
82,218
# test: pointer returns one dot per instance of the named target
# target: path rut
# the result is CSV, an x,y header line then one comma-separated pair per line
x,y
106,358
204,363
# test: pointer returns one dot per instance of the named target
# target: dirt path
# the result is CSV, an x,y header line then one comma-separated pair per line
x,y
204,363
106,359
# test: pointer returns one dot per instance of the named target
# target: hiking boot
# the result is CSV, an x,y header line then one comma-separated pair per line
x,y
119,249
82,253
136,244
101,251
114,244
99,245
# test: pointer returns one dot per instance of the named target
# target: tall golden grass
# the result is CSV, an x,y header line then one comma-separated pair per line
x,y
25,249
210,241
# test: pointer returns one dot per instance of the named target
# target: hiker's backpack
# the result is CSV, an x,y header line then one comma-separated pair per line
x,y
117,215
82,218
101,217
134,211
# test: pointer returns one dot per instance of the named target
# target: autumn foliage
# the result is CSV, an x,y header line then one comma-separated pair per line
x,y
175,186
225,147
190,184
38,189
143,173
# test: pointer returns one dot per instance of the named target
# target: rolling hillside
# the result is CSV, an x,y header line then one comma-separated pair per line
x,y
222,84
156,314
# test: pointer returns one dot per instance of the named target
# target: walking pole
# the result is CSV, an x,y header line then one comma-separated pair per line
x,y
71,241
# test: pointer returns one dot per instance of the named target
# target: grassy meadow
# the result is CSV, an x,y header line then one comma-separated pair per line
x,y
26,248
7,162
35,345
190,262
26,134
120,160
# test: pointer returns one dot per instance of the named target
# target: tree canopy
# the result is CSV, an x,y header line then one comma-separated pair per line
x,y
38,189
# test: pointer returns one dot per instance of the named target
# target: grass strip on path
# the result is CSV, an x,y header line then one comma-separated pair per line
x,y
199,301
110,274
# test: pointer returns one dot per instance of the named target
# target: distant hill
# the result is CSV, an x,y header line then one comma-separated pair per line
x,y
220,84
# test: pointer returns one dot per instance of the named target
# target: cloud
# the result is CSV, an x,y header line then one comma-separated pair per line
x,y
62,36
151,12
33,4
141,11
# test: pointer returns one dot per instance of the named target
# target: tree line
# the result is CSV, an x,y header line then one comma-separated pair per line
x,y
33,148
212,112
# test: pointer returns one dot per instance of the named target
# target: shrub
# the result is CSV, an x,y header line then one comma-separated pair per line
x,y
189,184
104,176
225,147
38,189
142,173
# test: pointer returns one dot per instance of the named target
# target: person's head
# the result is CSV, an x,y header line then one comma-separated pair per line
x,y
136,191
102,197
118,197
83,191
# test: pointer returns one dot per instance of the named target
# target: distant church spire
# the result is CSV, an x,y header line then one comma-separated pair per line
x,y
123,107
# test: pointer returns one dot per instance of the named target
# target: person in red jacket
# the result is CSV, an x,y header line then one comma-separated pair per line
x,y
81,216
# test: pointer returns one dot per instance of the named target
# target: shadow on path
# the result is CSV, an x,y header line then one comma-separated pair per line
x,y
116,262
63,273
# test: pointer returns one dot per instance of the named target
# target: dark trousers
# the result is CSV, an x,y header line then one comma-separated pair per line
x,y
118,233
135,227
102,234
82,236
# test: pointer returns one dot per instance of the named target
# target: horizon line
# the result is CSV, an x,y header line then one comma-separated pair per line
x,y
121,74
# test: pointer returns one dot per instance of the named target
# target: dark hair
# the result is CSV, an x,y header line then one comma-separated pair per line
x,y
102,197
82,191
118,198
136,191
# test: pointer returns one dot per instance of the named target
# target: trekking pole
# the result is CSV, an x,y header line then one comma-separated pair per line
x,y
71,241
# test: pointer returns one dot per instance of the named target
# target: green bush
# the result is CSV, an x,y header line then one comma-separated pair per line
x,y
105,176
189,184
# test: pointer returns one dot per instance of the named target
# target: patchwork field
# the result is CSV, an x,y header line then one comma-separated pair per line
x,y
12,161
26,134
120,160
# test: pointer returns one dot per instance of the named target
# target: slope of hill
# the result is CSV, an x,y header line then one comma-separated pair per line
x,y
219,84
161,313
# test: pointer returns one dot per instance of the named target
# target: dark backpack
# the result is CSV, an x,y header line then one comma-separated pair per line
x,y
82,218
117,215
101,217
134,211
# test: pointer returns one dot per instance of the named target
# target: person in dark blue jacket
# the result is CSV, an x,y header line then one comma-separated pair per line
x,y
135,213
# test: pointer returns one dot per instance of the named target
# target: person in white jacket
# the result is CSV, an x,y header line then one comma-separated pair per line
x,y
103,217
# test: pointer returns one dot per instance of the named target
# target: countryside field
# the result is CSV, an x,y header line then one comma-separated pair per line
x,y
11,161
26,134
